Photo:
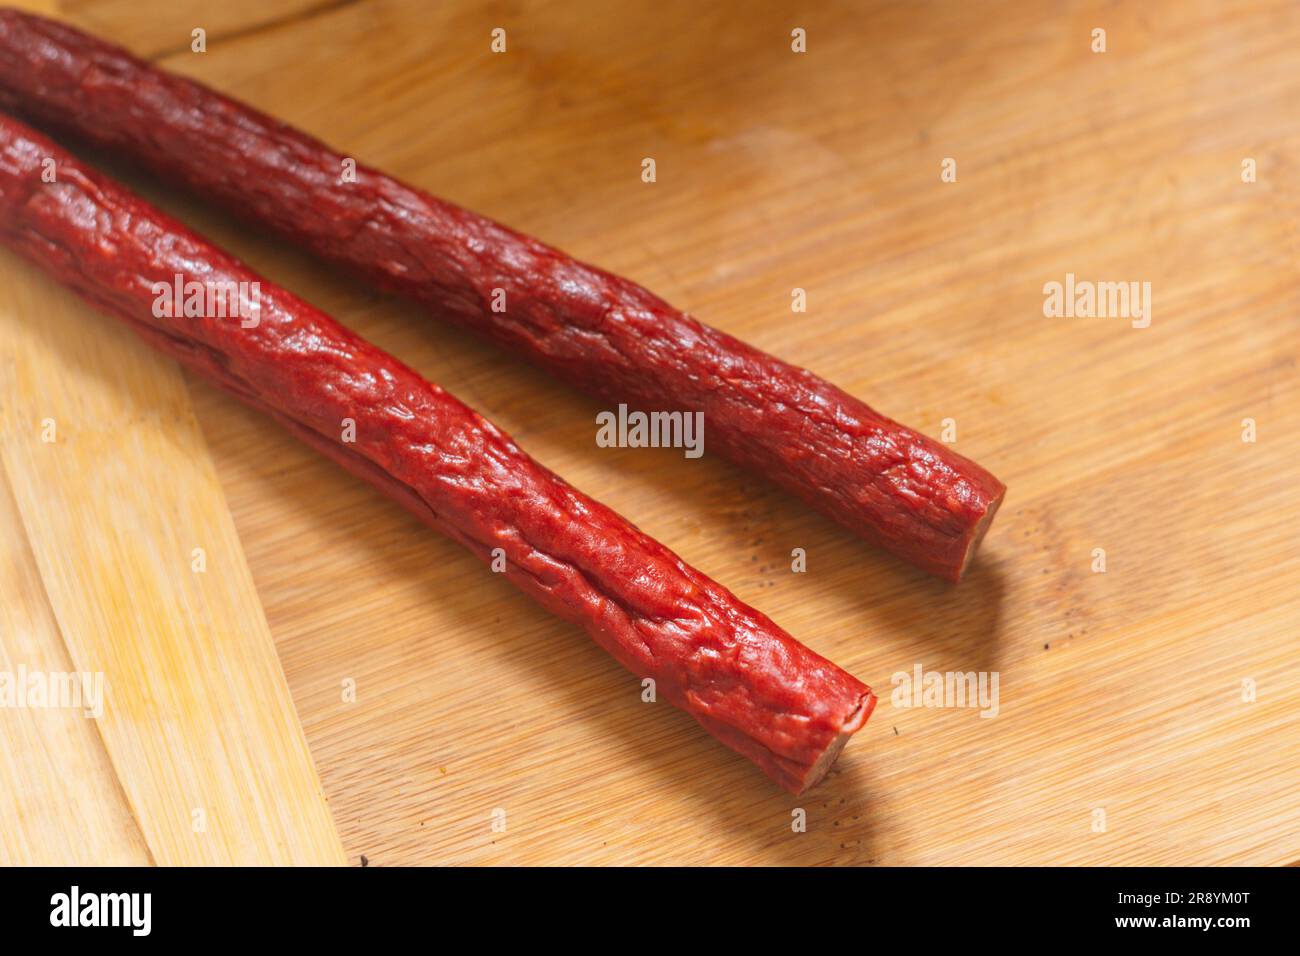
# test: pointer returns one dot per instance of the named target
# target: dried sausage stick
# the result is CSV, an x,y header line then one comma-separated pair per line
x,y
604,334
744,679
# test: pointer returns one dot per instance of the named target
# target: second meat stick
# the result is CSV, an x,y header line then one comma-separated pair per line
x,y
602,333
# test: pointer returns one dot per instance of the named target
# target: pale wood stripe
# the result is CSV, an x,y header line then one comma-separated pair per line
x,y
61,804
198,720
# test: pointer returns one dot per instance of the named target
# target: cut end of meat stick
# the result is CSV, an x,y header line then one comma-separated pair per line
x,y
824,763
977,535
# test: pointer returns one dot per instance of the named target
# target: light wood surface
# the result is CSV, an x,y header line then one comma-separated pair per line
x,y
1121,692
121,565
63,804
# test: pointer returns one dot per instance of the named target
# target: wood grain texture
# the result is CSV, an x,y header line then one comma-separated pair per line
x,y
63,804
116,493
1120,692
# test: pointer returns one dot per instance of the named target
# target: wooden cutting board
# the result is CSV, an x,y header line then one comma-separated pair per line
x,y
1145,713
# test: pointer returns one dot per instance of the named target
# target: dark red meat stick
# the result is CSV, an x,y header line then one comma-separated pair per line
x,y
606,335
744,679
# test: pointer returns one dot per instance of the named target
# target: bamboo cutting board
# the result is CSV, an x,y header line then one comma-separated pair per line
x,y
1145,712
